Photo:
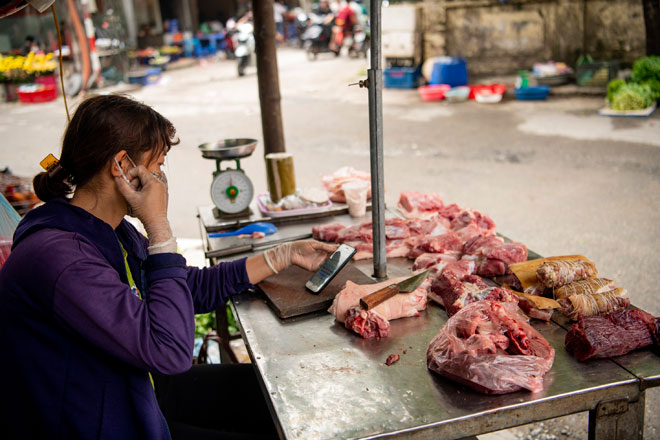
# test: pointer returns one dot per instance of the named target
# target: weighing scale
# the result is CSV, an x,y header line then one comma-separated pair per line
x,y
231,189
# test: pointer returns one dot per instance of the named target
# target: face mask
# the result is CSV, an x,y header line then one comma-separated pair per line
x,y
123,176
121,171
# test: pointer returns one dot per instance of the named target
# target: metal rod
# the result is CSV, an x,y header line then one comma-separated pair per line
x,y
375,76
268,77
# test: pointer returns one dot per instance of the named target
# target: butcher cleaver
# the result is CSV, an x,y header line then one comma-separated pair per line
x,y
406,286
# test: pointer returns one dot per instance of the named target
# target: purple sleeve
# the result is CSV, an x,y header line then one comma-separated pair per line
x,y
211,287
155,334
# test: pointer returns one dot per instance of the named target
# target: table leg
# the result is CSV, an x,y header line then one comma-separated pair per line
x,y
617,420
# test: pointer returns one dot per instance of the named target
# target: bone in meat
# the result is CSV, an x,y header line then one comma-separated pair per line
x,y
400,306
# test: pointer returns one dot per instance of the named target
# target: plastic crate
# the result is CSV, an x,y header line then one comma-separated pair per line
x,y
596,74
401,77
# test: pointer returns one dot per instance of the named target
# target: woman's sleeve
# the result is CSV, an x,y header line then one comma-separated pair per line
x,y
211,287
155,334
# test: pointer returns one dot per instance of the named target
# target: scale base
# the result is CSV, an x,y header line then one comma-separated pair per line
x,y
223,215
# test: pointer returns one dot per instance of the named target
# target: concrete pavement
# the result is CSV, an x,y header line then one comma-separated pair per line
x,y
552,174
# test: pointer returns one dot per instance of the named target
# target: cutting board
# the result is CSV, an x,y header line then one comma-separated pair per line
x,y
288,297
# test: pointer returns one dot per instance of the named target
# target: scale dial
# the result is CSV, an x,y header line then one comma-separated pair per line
x,y
232,191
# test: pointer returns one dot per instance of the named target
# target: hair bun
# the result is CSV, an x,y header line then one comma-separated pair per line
x,y
48,186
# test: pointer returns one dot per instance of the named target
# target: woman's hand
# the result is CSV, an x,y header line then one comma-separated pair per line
x,y
148,204
308,254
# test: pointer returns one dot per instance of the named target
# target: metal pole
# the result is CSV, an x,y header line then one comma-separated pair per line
x,y
375,76
267,75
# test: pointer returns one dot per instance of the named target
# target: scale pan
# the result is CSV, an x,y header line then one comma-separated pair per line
x,y
228,148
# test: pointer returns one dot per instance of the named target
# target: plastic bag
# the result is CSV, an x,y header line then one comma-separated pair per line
x,y
9,219
333,182
490,347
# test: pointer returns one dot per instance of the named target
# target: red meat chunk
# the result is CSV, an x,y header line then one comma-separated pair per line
x,y
612,335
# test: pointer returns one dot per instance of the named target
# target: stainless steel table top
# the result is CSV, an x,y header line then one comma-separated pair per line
x,y
326,382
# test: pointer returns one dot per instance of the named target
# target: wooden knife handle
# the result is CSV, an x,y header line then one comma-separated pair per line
x,y
373,299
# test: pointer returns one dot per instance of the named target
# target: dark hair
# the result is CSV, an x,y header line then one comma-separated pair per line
x,y
101,127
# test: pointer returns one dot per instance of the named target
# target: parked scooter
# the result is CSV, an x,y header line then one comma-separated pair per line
x,y
245,46
316,38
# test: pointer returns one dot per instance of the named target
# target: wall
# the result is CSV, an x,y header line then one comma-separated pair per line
x,y
498,38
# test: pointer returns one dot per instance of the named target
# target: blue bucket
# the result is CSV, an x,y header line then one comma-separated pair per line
x,y
449,70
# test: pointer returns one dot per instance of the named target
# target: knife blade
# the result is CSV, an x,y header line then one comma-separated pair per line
x,y
406,286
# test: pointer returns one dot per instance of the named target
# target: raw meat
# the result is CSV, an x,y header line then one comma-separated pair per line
x,y
368,324
490,347
333,182
439,244
594,304
413,204
469,217
584,287
437,261
612,335
328,232
533,312
392,359
393,249
399,306
557,273
493,255
436,225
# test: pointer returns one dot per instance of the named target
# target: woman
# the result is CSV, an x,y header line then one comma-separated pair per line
x,y
89,308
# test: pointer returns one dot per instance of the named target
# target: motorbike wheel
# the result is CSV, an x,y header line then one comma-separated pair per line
x,y
242,64
312,53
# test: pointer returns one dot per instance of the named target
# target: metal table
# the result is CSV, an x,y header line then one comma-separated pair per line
x,y
322,381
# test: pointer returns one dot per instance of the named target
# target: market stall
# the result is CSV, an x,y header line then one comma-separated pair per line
x,y
383,381
351,391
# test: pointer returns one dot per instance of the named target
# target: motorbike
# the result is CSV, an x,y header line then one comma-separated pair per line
x,y
316,38
360,42
245,46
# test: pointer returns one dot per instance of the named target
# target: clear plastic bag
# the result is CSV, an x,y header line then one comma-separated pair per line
x,y
9,219
490,347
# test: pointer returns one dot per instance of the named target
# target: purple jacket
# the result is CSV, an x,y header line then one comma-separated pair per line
x,y
77,343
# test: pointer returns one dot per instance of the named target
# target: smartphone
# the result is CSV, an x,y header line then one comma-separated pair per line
x,y
330,268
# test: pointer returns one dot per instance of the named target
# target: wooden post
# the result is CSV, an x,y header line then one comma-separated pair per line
x,y
267,73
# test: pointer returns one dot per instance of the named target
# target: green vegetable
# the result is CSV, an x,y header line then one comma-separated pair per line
x,y
654,85
647,68
646,71
632,97
613,87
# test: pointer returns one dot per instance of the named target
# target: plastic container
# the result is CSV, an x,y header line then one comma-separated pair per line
x,y
401,77
262,199
435,92
488,97
35,93
488,89
458,94
356,197
449,70
532,93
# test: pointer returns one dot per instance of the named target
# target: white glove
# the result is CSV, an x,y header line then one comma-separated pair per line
x,y
308,254
149,205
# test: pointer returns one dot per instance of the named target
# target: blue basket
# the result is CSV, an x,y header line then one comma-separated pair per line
x,y
449,70
401,77
533,93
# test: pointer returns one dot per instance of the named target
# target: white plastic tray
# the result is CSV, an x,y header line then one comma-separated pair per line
x,y
288,212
